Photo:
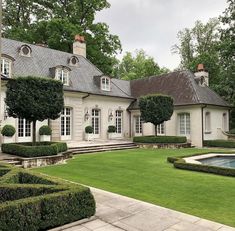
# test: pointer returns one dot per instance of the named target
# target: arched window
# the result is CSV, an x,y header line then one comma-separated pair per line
x,y
25,50
105,84
207,121
74,61
6,67
62,74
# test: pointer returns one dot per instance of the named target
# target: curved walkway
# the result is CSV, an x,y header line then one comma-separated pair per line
x,y
115,212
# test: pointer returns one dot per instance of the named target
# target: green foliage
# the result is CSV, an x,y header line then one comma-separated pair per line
x,y
160,139
137,66
232,131
43,206
156,109
8,130
219,143
204,168
41,149
56,23
111,129
45,130
88,129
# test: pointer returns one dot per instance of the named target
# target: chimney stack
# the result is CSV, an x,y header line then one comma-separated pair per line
x,y
202,76
79,46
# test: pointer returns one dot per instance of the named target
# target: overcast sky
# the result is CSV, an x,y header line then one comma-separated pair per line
x,y
153,24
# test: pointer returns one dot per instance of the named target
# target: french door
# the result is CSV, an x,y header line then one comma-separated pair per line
x,y
138,126
24,130
118,120
66,123
95,123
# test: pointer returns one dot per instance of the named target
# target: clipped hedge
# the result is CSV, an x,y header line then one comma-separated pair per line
x,y
8,131
219,143
44,206
181,164
160,139
41,149
45,130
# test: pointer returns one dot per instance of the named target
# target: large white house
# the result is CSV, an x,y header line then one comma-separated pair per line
x,y
92,98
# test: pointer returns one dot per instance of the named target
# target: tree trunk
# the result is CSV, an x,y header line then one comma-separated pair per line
x,y
34,133
155,130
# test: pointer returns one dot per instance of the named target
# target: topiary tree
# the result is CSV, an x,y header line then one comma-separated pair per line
x,y
34,98
156,109
8,130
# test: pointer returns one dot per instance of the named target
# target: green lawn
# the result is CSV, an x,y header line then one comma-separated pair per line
x,y
146,175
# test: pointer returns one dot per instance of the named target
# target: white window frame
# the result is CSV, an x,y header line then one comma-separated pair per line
x,y
207,122
105,83
138,125
184,124
95,122
4,62
225,122
119,121
29,51
62,74
66,123
24,130
161,129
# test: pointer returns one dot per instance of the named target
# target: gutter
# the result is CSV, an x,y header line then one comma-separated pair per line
x,y
84,97
202,114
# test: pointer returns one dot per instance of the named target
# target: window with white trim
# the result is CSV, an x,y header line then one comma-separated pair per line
x,y
6,67
62,75
207,121
184,124
24,128
105,84
95,121
138,125
119,122
161,129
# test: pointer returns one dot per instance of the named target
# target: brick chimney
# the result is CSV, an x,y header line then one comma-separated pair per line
x,y
202,76
79,46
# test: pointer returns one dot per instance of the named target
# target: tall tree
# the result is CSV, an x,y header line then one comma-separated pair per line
x,y
137,66
56,22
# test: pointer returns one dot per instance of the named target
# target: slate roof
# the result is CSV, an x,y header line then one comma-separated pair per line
x,y
181,85
42,59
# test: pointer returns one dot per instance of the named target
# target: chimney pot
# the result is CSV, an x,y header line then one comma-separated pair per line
x,y
79,38
200,67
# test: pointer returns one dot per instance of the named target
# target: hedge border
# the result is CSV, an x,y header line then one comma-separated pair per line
x,y
160,139
41,149
219,143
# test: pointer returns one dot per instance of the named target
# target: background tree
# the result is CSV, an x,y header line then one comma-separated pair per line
x,y
34,98
137,66
55,23
156,109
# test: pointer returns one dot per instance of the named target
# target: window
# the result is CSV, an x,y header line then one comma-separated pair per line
x,y
25,50
95,120
138,125
73,61
24,128
105,84
6,67
225,122
119,122
184,124
62,75
207,122
65,122
161,129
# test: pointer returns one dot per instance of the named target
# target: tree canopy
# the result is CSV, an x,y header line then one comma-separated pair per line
x,y
156,109
138,65
55,23
34,99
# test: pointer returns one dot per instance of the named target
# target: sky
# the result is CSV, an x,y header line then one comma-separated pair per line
x,y
153,25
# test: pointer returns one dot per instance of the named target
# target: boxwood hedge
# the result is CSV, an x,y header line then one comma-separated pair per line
x,y
41,206
160,139
219,143
41,149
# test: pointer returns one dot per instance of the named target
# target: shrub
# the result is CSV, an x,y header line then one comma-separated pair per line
x,y
8,130
160,139
111,129
232,131
41,149
219,143
45,130
88,129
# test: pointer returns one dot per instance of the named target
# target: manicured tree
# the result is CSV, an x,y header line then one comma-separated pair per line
x,y
156,109
34,98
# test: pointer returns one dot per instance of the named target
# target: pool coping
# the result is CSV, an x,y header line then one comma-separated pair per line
x,y
194,159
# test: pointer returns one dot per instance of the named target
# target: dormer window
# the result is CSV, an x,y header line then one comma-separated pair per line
x,y
25,50
62,74
73,61
105,83
6,67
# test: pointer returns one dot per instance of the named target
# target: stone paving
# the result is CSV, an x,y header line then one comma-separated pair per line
x,y
115,212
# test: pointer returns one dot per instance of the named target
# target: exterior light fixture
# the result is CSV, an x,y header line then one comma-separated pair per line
x,y
87,116
110,116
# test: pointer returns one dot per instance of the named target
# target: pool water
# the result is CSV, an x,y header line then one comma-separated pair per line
x,y
221,161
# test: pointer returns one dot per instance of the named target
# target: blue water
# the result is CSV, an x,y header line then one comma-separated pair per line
x,y
221,161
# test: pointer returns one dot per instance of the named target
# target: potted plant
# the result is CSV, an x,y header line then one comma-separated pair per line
x,y
88,133
45,133
8,131
111,131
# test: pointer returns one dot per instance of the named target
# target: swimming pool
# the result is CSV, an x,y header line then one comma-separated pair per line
x,y
220,161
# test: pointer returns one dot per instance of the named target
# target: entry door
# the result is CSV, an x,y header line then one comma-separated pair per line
x,y
65,123
24,130
138,126
119,123
95,120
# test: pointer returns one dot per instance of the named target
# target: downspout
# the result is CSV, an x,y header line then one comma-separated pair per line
x,y
84,97
202,114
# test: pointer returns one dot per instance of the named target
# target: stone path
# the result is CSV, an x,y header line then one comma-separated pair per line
x,y
115,213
